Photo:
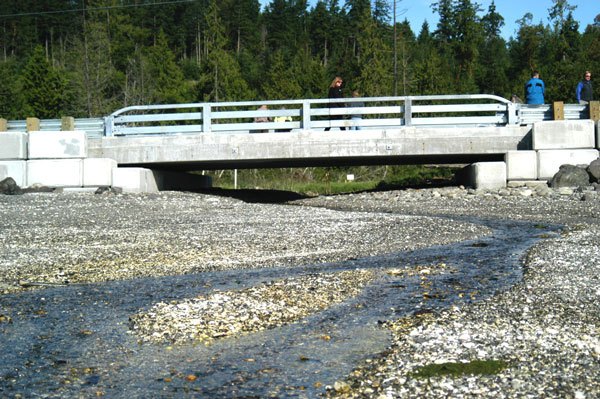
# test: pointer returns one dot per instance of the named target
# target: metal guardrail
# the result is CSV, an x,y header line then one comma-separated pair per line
x,y
375,112
289,115
94,127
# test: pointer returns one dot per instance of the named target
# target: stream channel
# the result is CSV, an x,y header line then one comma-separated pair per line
x,y
75,341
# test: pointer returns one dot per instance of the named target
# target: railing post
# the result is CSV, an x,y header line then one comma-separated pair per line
x,y
511,110
67,123
595,110
305,115
206,118
558,109
407,111
32,124
109,122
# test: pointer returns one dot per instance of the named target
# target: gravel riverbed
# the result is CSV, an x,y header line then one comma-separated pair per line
x,y
544,331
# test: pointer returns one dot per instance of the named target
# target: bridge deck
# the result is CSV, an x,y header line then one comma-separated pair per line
x,y
407,145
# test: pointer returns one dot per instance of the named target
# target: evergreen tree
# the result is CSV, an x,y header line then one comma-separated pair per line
x,y
279,83
310,74
430,76
526,53
10,95
242,24
167,85
93,74
493,62
322,31
560,49
221,79
374,60
44,87
466,44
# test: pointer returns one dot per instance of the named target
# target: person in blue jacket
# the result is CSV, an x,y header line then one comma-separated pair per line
x,y
535,89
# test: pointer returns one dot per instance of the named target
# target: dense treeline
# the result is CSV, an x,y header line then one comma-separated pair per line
x,y
87,58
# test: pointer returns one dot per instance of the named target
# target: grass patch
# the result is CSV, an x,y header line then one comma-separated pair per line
x,y
334,180
476,367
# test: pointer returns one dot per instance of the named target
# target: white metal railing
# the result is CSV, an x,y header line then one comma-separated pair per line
x,y
377,112
288,115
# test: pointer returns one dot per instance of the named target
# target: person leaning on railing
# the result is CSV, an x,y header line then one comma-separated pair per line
x,y
356,117
535,89
584,91
262,119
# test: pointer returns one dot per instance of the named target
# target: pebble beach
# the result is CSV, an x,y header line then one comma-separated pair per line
x,y
543,333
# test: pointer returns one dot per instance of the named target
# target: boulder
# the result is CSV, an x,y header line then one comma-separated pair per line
x,y
593,170
9,186
570,176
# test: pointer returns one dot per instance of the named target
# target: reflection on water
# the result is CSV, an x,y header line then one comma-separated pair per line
x,y
75,341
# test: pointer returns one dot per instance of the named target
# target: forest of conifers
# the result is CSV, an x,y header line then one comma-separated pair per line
x,y
88,58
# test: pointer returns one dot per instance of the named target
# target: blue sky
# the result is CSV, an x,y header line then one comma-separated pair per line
x,y
416,11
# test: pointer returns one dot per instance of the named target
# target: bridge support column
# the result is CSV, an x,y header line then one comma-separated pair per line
x,y
484,175
521,165
3,125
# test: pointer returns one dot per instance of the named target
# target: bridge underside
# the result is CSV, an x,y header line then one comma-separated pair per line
x,y
452,159
410,145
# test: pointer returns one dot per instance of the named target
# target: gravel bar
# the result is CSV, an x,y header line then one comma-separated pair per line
x,y
543,333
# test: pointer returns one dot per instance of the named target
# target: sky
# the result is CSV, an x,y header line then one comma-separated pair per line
x,y
417,11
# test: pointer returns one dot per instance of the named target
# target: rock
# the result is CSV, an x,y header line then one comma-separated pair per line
x,y
570,176
39,188
9,186
108,190
593,170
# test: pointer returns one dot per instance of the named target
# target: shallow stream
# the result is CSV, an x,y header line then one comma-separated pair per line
x,y
75,341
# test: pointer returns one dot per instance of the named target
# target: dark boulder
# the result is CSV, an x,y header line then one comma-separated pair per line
x,y
593,170
9,186
570,176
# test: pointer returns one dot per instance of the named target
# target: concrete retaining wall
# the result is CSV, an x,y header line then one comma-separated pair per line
x,y
57,145
13,145
16,169
560,135
485,175
554,143
549,161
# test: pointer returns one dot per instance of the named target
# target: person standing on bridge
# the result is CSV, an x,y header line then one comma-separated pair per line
x,y
584,90
357,117
535,89
335,91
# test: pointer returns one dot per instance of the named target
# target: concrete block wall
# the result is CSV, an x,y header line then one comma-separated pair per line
x,y
13,145
485,175
135,180
57,159
60,159
563,135
57,145
17,169
554,143
549,161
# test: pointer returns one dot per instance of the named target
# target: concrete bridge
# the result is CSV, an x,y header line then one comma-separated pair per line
x,y
159,140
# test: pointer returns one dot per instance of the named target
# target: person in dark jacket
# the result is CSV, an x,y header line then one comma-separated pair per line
x,y
535,89
335,91
584,92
